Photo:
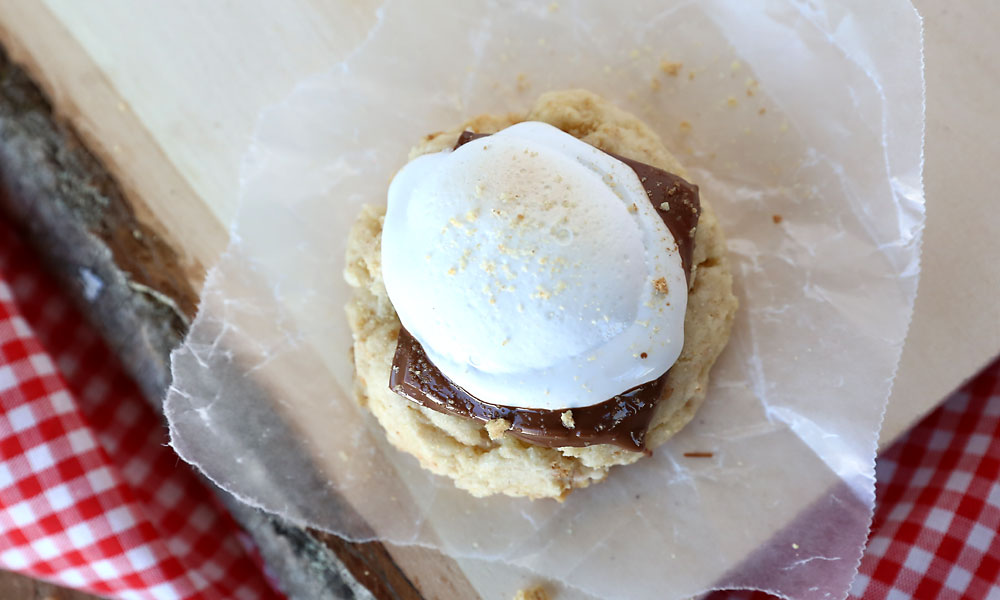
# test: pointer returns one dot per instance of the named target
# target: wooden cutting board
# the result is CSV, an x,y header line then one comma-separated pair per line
x,y
166,94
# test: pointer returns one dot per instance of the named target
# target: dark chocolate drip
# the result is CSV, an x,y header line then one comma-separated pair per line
x,y
622,420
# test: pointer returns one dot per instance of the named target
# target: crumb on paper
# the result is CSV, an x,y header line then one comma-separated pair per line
x,y
553,7
685,127
567,419
749,92
670,67
736,66
691,75
535,592
732,102
634,54
777,219
660,285
497,427
699,454
644,355
522,82
761,111
654,84
633,208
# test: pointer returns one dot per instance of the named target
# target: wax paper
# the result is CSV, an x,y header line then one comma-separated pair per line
x,y
802,121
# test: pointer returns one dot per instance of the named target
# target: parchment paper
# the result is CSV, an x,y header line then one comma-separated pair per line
x,y
809,113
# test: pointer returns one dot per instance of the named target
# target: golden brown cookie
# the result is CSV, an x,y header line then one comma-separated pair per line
x,y
478,457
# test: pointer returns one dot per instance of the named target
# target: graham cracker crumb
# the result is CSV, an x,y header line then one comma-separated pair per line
x,y
660,285
535,592
685,127
522,82
567,419
777,219
761,111
654,84
732,102
497,427
670,67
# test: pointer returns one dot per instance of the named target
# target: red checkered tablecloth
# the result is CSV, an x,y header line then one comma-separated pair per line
x,y
92,498
937,515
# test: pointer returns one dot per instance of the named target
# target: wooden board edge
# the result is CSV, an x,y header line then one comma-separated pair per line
x,y
82,95
152,286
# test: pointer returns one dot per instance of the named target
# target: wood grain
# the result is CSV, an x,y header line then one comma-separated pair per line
x,y
14,586
161,198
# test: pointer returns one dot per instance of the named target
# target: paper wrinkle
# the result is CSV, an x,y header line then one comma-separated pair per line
x,y
262,399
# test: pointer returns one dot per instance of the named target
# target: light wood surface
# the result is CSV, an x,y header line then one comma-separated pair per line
x,y
167,95
956,320
14,586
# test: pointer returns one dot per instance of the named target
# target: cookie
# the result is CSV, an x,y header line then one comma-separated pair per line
x,y
481,458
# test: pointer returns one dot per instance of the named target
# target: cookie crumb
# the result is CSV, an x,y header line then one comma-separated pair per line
x,y
497,427
670,67
732,102
699,454
654,84
522,82
535,592
567,419
761,111
633,208
643,355
777,219
660,285
685,127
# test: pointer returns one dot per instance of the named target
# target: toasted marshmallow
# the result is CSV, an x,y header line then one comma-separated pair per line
x,y
533,269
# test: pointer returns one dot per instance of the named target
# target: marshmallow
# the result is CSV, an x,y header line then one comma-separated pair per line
x,y
533,269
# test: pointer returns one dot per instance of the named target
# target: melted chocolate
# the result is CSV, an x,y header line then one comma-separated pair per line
x,y
622,420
